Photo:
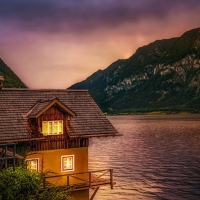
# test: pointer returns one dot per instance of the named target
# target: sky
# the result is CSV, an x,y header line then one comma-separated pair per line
x,y
55,44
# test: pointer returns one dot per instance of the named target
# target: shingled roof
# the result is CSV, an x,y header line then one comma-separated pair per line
x,y
17,104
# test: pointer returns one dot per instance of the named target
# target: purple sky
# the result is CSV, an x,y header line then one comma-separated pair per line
x,y
54,44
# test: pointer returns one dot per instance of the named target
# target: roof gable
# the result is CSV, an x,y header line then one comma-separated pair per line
x,y
43,105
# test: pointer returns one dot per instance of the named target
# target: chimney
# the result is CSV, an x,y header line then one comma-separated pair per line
x,y
1,82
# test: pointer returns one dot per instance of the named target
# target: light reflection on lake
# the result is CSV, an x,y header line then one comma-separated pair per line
x,y
157,158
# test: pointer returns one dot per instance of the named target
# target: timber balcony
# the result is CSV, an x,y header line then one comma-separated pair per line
x,y
8,155
83,180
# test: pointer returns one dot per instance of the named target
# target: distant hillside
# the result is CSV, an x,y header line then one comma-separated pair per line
x,y
11,80
161,76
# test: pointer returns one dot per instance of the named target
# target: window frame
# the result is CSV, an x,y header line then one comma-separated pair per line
x,y
51,124
62,163
37,163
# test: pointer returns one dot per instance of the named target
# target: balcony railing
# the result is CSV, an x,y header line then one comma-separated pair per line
x,y
82,180
6,155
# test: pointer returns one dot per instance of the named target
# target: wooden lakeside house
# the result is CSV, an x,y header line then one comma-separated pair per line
x,y
56,125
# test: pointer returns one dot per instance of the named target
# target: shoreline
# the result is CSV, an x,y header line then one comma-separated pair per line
x,y
152,113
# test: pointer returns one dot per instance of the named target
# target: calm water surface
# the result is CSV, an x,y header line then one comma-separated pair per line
x,y
158,157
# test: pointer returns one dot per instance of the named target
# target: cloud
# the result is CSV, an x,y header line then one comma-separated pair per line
x,y
68,40
84,15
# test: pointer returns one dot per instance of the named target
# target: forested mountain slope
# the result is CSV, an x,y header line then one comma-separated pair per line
x,y
11,80
161,76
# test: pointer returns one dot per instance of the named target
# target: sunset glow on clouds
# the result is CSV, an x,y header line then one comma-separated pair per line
x,y
54,44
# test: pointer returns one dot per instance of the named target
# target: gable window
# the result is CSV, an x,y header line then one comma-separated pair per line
x,y
67,163
52,127
32,164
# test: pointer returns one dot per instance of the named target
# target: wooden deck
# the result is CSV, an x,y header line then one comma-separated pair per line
x,y
83,180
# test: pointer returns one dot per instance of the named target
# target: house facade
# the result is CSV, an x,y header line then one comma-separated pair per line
x,y
55,126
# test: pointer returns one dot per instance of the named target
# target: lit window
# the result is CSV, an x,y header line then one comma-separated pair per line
x,y
67,163
52,127
33,164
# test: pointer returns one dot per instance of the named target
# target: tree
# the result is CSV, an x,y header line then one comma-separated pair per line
x,y
23,184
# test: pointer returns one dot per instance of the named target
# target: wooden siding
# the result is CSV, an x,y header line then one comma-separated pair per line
x,y
52,142
53,113
58,142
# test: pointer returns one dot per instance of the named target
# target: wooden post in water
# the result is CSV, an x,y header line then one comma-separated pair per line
x,y
111,178
90,179
92,197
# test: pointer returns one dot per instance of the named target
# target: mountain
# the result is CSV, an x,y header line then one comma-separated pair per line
x,y
11,80
161,76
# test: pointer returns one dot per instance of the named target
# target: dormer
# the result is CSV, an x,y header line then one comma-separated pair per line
x,y
49,117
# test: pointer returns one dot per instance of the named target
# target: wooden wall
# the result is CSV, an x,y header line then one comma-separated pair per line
x,y
52,142
58,142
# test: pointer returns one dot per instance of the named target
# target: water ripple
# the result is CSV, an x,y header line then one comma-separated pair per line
x,y
158,158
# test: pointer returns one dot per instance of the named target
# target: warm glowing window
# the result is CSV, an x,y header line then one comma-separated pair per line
x,y
67,163
33,164
52,127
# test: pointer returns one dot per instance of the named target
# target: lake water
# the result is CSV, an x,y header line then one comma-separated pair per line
x,y
158,157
